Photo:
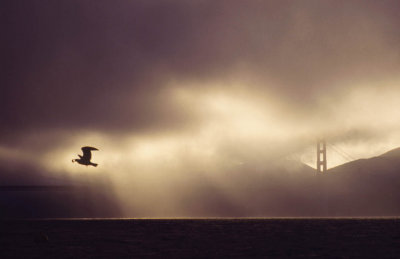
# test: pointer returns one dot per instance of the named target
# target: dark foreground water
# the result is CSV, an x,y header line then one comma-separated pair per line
x,y
201,238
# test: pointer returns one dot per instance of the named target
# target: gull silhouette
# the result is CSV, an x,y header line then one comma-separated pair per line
x,y
87,155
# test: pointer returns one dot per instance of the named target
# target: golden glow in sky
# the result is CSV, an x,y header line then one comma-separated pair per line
x,y
235,126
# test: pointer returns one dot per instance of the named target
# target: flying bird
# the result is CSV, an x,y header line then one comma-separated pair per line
x,y
87,155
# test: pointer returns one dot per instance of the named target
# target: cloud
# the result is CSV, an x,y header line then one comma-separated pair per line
x,y
172,85
106,65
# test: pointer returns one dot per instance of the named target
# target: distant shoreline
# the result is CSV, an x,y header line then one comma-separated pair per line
x,y
25,188
209,218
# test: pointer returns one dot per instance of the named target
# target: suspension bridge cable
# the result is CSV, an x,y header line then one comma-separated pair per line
x,y
345,155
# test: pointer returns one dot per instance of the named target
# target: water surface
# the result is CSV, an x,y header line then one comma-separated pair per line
x,y
205,238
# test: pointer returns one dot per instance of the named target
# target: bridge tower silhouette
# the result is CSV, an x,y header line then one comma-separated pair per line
x,y
321,156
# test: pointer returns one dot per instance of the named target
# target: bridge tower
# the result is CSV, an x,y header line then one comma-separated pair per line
x,y
321,156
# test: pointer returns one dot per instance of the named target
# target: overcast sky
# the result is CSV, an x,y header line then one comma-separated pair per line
x,y
173,85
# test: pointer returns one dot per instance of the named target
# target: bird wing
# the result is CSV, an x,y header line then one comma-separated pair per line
x,y
87,154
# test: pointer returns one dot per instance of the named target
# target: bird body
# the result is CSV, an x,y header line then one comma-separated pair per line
x,y
87,156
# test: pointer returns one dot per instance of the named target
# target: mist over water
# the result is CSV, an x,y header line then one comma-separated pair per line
x,y
198,108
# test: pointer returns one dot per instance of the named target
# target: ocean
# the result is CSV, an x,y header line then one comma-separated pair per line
x,y
201,238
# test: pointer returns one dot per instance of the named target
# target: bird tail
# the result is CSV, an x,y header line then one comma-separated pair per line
x,y
93,164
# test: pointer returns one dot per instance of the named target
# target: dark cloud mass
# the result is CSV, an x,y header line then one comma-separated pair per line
x,y
79,63
207,81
